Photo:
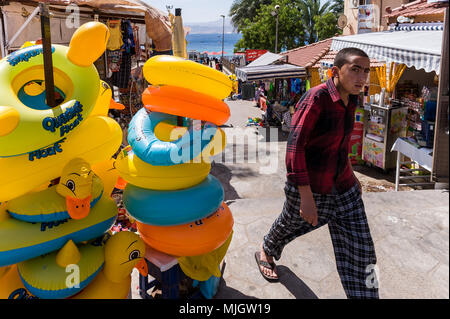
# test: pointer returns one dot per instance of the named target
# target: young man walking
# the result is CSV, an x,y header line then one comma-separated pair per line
x,y
321,187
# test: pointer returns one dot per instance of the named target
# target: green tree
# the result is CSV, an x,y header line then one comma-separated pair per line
x,y
310,9
325,26
241,10
260,33
337,6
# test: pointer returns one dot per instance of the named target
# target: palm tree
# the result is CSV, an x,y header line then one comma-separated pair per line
x,y
245,9
310,9
337,6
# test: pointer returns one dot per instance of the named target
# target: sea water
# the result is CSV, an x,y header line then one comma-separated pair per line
x,y
212,42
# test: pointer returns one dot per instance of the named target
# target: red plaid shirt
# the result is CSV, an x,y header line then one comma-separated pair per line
x,y
317,148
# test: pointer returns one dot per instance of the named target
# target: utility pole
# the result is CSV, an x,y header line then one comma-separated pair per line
x,y
275,14
223,35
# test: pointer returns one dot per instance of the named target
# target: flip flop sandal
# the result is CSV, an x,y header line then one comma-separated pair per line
x,y
265,264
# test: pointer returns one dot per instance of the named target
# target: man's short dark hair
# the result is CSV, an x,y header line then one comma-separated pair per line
x,y
343,55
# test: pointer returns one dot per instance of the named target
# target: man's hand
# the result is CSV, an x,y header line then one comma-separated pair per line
x,y
308,209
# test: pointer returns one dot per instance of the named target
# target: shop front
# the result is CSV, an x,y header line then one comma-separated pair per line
x,y
401,105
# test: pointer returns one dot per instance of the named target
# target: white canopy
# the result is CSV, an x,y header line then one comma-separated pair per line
x,y
266,59
281,71
421,49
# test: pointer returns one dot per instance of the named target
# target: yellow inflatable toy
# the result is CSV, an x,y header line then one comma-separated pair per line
x,y
105,270
27,123
108,174
21,240
137,172
175,71
123,252
78,190
105,101
202,267
97,139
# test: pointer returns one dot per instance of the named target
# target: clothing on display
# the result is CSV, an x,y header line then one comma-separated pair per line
x,y
122,77
129,44
114,59
115,41
121,46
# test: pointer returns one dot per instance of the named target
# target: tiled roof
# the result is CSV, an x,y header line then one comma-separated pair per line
x,y
418,8
330,55
308,55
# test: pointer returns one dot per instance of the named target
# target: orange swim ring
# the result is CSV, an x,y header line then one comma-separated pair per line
x,y
187,103
192,239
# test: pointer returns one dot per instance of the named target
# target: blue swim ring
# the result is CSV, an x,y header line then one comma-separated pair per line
x,y
153,151
169,208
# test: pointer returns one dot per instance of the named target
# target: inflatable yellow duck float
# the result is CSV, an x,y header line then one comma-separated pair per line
x,y
96,270
79,189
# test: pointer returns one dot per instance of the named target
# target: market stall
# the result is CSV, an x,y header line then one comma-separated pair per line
x,y
405,107
277,86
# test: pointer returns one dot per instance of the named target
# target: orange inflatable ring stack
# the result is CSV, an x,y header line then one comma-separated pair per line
x,y
192,239
187,103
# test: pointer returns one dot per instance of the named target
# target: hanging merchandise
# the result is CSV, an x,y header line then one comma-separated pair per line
x,y
114,59
122,77
129,44
115,41
308,85
297,86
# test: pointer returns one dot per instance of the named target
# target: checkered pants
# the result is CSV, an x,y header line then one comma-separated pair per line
x,y
350,234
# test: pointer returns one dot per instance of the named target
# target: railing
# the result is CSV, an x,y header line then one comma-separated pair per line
x,y
229,65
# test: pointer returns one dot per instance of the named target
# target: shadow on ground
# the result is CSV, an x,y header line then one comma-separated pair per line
x,y
376,172
225,292
224,175
295,285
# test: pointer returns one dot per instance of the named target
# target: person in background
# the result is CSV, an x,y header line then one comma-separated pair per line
x,y
321,187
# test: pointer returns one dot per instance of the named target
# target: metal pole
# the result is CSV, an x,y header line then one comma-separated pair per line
x,y
276,36
223,35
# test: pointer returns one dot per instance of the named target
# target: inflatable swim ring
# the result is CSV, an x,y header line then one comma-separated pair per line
x,y
27,122
167,132
164,208
196,238
97,140
36,239
144,175
184,102
170,70
153,151
79,189
12,286
47,277
121,253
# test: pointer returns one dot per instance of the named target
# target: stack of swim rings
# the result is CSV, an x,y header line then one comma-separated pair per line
x,y
177,204
45,229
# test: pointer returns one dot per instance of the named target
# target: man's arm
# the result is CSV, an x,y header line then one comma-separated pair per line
x,y
303,123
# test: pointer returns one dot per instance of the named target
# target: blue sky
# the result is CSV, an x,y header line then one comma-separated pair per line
x,y
196,10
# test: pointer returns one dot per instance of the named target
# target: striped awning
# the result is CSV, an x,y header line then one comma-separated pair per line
x,y
419,49
281,71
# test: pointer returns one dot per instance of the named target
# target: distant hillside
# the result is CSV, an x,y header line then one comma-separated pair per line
x,y
209,27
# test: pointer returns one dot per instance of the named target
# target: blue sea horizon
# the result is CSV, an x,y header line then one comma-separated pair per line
x,y
212,42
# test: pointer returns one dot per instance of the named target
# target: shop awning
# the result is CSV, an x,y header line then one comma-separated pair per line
x,y
421,49
266,59
281,71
